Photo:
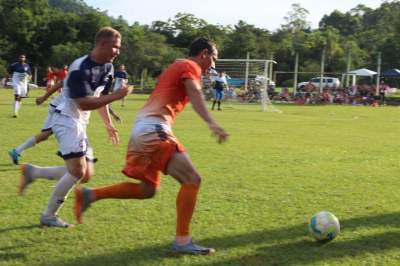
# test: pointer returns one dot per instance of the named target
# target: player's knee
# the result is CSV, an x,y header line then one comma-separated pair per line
x,y
88,174
42,137
79,172
149,194
193,178
148,191
47,135
85,179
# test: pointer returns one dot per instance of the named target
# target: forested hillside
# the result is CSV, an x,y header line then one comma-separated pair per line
x,y
56,31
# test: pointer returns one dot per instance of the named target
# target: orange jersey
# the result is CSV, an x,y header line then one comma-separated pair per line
x,y
169,96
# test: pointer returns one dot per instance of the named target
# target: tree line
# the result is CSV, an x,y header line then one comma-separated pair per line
x,y
54,32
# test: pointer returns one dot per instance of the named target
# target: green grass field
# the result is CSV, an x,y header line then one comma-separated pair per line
x,y
258,191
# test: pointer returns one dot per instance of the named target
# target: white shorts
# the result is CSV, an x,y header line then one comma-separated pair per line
x,y
49,119
118,84
71,137
20,87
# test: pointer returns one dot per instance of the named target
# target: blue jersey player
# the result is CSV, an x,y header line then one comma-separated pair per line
x,y
220,84
20,73
121,78
85,88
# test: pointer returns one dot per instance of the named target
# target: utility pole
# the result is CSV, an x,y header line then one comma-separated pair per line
x,y
321,84
296,60
348,59
378,72
246,78
296,72
35,75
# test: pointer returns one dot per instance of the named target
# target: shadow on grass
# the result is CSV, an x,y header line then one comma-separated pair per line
x,y
16,228
283,246
12,256
6,255
8,169
151,254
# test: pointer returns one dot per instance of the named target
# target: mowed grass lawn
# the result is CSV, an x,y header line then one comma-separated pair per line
x,y
258,192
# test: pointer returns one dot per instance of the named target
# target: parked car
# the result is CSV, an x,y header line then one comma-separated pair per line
x,y
259,79
262,79
329,82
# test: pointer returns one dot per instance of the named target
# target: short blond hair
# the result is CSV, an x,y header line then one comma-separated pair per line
x,y
106,33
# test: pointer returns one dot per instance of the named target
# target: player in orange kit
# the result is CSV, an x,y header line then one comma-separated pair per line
x,y
153,148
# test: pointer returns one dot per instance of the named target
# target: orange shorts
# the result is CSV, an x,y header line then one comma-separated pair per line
x,y
148,155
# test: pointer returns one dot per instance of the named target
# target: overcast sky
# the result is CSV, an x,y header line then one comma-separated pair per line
x,y
261,13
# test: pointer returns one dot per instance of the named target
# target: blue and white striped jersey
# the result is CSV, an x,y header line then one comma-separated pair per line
x,y
85,78
20,71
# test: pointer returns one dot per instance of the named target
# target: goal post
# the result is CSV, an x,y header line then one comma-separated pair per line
x,y
249,80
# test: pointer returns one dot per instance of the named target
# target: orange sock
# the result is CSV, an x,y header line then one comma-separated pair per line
x,y
125,190
185,204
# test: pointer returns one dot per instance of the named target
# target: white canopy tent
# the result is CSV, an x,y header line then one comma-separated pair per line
x,y
364,72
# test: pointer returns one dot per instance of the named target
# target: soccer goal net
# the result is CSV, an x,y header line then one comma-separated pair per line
x,y
249,81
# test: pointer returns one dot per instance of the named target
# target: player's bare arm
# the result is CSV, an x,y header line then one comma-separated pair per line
x,y
193,90
93,103
53,89
111,130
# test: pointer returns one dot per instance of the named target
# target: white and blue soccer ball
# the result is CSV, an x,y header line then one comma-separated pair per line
x,y
324,226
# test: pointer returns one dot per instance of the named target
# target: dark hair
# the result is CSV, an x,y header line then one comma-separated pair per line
x,y
199,44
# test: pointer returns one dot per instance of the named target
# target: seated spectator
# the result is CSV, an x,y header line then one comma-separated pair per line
x,y
283,96
340,97
271,92
309,87
231,93
382,92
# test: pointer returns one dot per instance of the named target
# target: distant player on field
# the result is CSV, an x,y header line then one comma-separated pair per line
x,y
121,78
46,131
62,73
220,84
153,148
50,78
88,77
21,73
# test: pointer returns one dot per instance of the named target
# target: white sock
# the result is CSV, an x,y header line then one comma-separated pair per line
x,y
15,107
59,195
50,173
26,145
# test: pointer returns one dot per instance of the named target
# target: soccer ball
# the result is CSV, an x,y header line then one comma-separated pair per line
x,y
324,226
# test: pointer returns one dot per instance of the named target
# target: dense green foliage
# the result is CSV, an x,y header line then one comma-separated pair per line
x,y
258,191
54,32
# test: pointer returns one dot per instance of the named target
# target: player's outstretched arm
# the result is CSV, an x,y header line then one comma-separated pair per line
x,y
111,130
53,89
91,103
193,90
114,114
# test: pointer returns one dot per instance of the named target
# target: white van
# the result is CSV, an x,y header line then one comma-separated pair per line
x,y
329,82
